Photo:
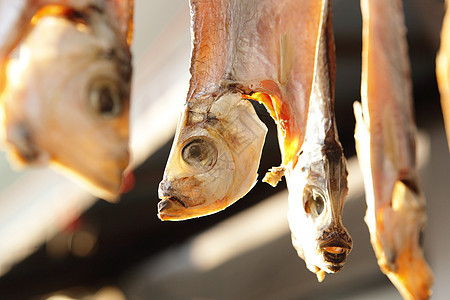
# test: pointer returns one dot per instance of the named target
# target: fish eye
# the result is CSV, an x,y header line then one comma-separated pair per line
x,y
200,153
314,203
104,99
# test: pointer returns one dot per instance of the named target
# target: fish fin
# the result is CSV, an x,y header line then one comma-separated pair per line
x,y
403,260
274,175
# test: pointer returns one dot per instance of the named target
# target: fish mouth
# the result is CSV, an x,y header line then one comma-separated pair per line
x,y
336,244
335,256
171,208
166,203
177,208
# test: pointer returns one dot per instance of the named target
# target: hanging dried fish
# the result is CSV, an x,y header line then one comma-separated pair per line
x,y
315,171
217,147
443,71
385,142
65,87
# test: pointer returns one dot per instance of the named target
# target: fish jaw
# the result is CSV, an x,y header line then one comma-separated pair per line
x,y
48,111
315,207
228,136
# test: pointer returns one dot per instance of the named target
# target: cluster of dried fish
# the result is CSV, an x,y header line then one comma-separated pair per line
x,y
287,62
281,54
65,71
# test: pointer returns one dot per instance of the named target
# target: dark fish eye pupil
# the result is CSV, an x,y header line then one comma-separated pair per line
x,y
319,204
104,99
197,152
106,102
200,153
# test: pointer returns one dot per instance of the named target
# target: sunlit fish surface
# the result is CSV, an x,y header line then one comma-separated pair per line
x,y
65,87
443,70
385,143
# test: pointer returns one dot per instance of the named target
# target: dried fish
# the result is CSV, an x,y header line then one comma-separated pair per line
x,y
316,172
65,87
385,143
443,71
216,152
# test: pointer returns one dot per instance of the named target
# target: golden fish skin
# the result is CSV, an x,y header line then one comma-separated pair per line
x,y
385,143
65,92
443,71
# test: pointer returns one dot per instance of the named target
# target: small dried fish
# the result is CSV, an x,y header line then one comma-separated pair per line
x,y
217,147
443,70
316,175
385,143
65,87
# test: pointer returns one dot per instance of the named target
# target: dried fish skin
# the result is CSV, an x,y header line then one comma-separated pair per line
x,y
443,71
65,92
214,158
385,136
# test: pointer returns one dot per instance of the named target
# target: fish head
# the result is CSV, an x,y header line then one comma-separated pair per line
x,y
66,101
214,158
317,188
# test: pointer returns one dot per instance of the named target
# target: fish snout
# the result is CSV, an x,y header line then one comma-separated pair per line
x,y
171,204
335,244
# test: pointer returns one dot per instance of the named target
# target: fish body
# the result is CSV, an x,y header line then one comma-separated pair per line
x,y
65,88
443,71
385,142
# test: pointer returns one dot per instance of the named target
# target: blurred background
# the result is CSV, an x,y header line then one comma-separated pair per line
x,y
59,242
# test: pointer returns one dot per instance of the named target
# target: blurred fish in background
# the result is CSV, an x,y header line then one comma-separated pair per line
x,y
65,76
